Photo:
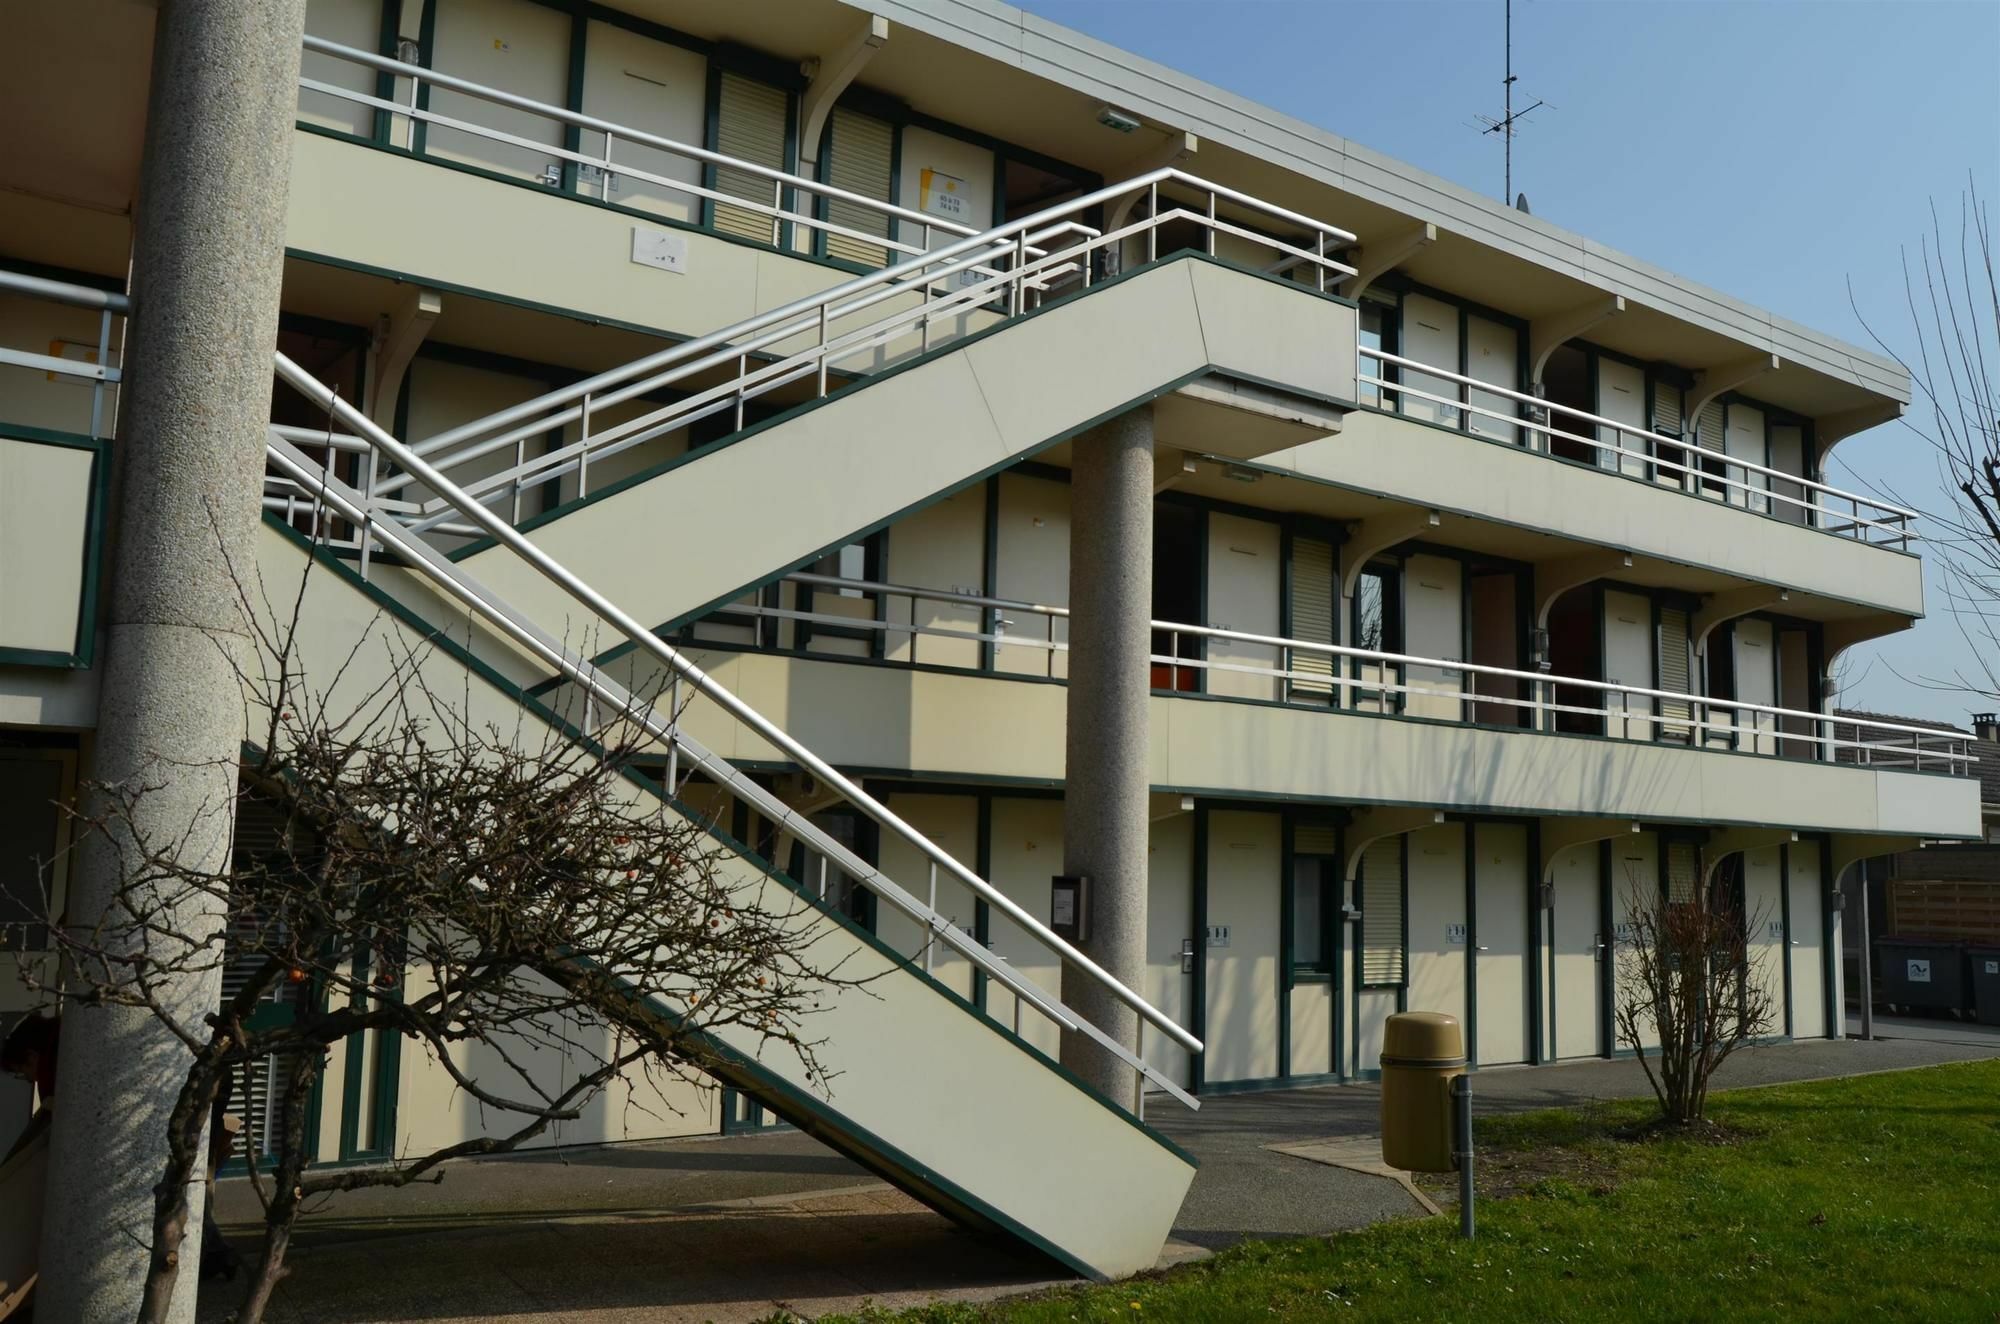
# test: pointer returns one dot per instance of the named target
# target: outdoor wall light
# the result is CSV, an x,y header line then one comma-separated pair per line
x,y
1113,118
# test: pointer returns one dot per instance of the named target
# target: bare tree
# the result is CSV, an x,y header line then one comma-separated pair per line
x,y
499,898
1953,301
1689,989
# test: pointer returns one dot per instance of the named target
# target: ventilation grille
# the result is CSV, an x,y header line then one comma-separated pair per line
x,y
750,125
860,159
1312,612
1382,954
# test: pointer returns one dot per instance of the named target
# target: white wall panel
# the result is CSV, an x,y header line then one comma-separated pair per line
x,y
1434,626
1628,660
1032,564
1244,578
1244,893
653,87
1500,892
1437,934
1579,951
513,45
1807,941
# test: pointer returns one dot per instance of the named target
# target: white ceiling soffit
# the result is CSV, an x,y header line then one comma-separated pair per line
x,y
1048,50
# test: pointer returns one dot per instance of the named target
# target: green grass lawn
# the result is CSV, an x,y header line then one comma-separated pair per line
x,y
1871,1198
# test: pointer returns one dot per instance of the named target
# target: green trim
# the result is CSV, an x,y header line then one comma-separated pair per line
x,y
1538,999
1284,981
1607,938
1785,926
426,54
763,1079
579,28
1198,996
95,521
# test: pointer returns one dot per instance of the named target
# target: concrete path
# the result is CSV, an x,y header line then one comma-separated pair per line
x,y
735,1228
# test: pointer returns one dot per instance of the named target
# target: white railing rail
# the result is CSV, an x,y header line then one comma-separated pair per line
x,y
329,494
781,182
1699,468
1667,713
99,372
950,281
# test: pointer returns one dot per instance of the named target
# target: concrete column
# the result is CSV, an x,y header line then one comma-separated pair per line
x,y
207,263
1105,777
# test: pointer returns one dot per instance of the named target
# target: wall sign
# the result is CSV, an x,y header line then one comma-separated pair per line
x,y
660,248
1919,971
942,195
1218,935
1455,934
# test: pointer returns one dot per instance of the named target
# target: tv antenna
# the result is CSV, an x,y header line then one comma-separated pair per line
x,y
1505,125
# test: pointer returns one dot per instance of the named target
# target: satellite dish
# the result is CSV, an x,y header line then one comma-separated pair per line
x,y
1521,202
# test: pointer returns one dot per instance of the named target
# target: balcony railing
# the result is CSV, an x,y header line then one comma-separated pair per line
x,y
1335,676
1638,453
793,198
98,371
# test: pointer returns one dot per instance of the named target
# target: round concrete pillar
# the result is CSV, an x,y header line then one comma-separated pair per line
x,y
1105,777
207,263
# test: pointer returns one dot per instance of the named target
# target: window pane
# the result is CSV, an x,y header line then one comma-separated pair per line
x,y
1308,916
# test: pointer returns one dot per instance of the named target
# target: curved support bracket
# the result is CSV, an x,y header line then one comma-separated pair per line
x,y
1373,261
1174,151
1725,842
1836,637
1547,333
1369,826
1828,430
1845,850
397,335
829,78
1712,382
1367,537
1560,834
1728,605
1555,578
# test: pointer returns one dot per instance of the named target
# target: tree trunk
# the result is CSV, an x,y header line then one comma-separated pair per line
x,y
285,1195
186,1154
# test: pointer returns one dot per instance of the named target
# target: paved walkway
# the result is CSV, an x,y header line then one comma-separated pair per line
x,y
733,1229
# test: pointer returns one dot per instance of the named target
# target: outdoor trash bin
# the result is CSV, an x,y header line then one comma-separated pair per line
x,y
1421,1052
1985,963
1922,974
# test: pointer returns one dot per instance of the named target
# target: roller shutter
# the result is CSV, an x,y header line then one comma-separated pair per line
x,y
1683,871
750,123
861,152
1676,714
1382,946
1312,610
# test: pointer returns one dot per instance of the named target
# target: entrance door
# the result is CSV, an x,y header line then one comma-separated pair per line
x,y
1807,938
1764,920
1500,889
1580,952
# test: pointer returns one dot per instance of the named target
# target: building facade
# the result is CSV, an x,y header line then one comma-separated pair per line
x,y
1494,579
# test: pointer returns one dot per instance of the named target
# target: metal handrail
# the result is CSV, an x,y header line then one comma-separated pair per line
x,y
354,507
782,180
813,315
1953,754
106,303
1895,524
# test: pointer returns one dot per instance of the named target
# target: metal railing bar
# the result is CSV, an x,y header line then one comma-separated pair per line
x,y
651,643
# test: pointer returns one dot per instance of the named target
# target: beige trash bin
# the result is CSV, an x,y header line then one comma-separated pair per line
x,y
1421,1052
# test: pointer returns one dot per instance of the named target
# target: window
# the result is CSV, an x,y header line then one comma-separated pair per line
x,y
1315,898
1383,953
1377,333
1377,623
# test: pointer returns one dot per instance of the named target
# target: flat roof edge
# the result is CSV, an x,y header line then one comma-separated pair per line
x,y
1006,33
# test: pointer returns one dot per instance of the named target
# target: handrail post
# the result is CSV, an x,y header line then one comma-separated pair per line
x,y
822,349
930,938
1152,221
1211,222
1319,267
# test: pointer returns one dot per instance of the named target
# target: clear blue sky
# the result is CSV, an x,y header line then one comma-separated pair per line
x,y
1773,149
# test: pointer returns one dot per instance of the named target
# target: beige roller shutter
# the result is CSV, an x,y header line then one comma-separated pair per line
x,y
1309,840
1683,870
1382,912
1676,714
1666,406
1312,609
750,123
861,155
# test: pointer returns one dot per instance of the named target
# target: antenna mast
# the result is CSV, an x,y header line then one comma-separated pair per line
x,y
1504,126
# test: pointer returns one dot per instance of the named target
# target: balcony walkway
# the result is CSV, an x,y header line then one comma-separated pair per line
x,y
736,1228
